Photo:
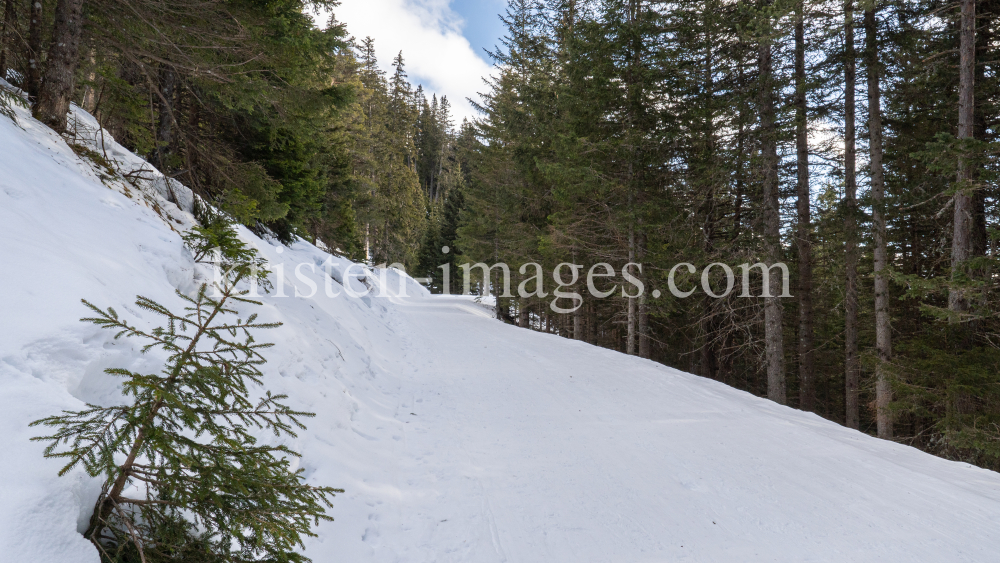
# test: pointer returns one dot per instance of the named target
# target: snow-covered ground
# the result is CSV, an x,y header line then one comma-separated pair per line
x,y
457,438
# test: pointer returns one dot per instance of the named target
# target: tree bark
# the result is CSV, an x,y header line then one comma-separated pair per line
x,y
89,100
578,323
961,242
630,336
807,384
773,345
633,101
985,20
592,322
33,81
708,323
644,348
64,56
883,330
164,136
852,364
642,307
6,35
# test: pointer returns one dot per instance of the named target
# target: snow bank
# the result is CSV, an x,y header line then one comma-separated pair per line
x,y
456,437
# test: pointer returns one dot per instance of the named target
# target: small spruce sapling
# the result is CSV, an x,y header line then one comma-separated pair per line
x,y
184,477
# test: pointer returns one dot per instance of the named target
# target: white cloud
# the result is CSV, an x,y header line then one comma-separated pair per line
x,y
429,34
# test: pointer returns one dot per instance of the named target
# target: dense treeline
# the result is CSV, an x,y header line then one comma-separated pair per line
x,y
853,142
289,128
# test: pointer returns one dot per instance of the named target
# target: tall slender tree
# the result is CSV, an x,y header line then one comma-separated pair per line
x,y
773,308
883,328
807,386
852,363
961,241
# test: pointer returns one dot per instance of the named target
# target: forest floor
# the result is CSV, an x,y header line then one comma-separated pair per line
x,y
457,438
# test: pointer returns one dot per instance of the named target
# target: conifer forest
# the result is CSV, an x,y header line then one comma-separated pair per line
x,y
854,141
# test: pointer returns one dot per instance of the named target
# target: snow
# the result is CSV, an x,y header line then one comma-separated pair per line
x,y
457,438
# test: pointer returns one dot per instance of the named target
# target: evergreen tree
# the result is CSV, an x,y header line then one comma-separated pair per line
x,y
195,483
391,205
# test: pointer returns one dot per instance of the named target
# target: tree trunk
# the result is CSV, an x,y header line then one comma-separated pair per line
x,y
630,339
63,58
852,365
642,307
592,322
644,348
807,384
164,136
709,357
33,81
708,323
985,20
774,351
578,323
961,242
883,335
6,36
632,139
89,100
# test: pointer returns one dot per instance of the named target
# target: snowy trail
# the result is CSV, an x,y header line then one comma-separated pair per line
x,y
528,447
456,437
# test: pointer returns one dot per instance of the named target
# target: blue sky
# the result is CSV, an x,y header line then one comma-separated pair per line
x,y
483,27
442,41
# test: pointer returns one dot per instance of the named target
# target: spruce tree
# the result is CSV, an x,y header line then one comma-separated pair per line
x,y
195,483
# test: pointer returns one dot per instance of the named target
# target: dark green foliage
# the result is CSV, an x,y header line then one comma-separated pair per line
x,y
9,99
276,121
391,207
442,231
237,99
186,437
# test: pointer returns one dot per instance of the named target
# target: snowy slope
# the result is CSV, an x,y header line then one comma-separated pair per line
x,y
456,437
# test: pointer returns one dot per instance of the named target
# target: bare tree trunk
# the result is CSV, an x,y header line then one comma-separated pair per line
x,y
740,162
168,81
852,364
368,243
33,81
774,350
630,339
89,100
961,242
578,323
60,68
592,322
725,360
631,78
984,39
6,35
642,307
709,353
644,348
883,331
807,384
708,323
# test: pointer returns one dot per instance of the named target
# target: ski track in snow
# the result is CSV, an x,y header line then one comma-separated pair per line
x,y
457,438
